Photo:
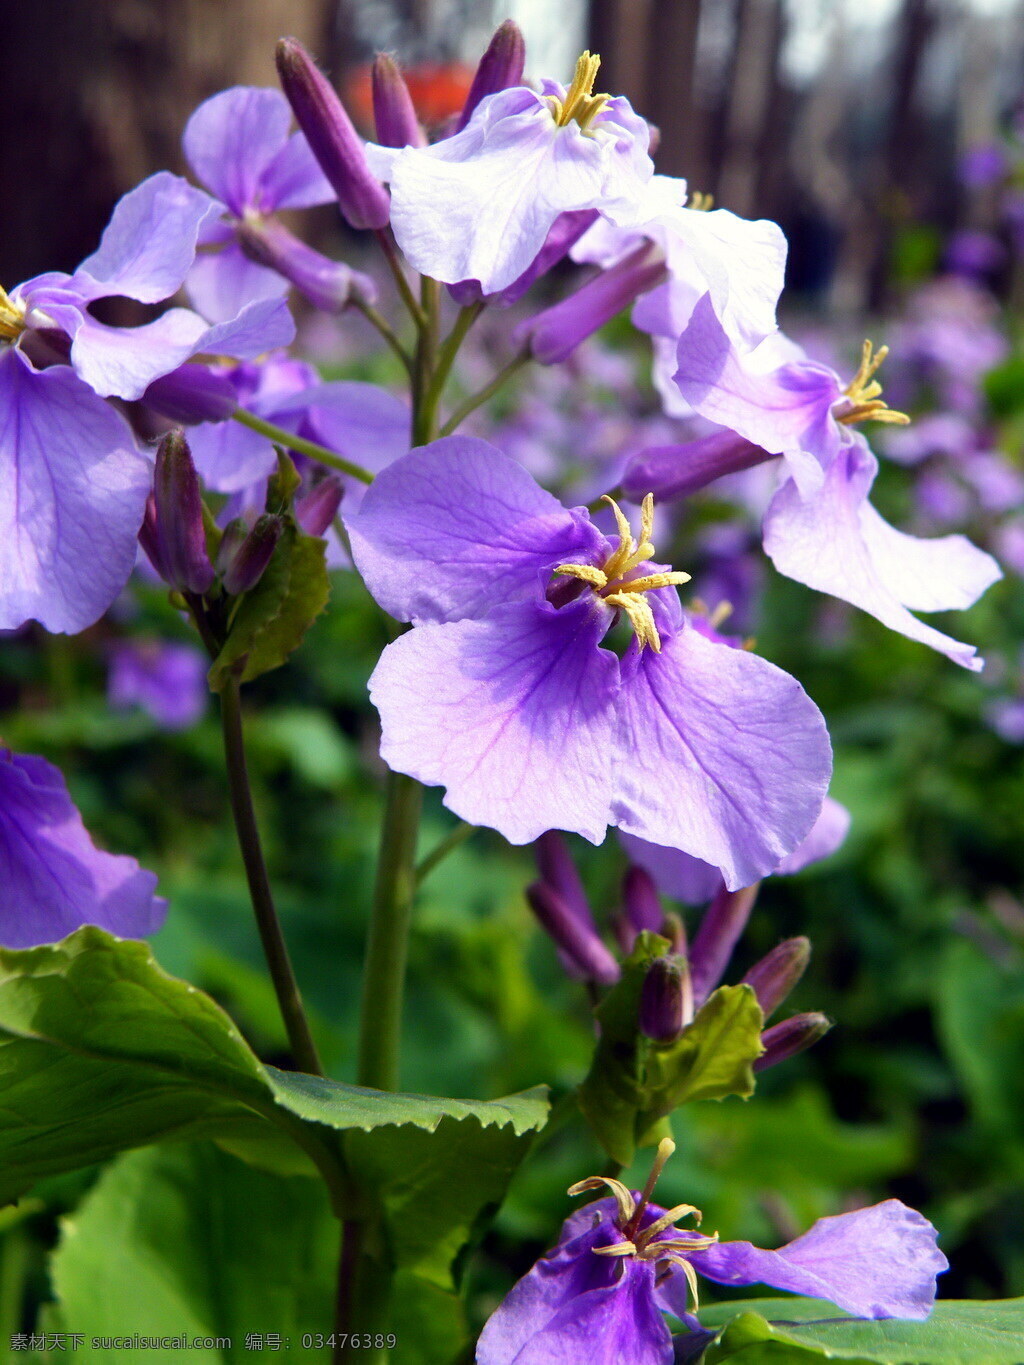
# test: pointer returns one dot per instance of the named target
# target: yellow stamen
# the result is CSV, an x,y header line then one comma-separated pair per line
x,y
623,1197
863,392
701,202
618,1249
580,103
12,318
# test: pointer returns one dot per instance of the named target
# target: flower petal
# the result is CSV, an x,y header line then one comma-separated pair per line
x,y
231,140
456,527
836,542
54,878
294,180
221,283
72,494
720,754
150,242
512,713
122,362
879,1262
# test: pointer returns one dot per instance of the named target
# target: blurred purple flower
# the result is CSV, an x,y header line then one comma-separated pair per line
x,y
982,165
166,680
503,694
54,878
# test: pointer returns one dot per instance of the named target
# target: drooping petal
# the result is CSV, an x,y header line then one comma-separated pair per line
x,y
836,542
785,408
513,714
879,1262
54,878
479,205
232,139
122,362
456,527
150,242
221,283
73,490
719,753
262,325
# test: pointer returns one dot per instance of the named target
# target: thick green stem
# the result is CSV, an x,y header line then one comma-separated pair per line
x,y
274,947
290,441
476,400
387,947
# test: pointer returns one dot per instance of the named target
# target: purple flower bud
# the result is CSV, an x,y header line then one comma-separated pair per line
x,y
666,999
778,972
501,65
332,138
724,920
794,1035
253,555
315,510
173,534
581,950
676,471
329,285
393,112
232,540
193,393
642,906
554,334
559,871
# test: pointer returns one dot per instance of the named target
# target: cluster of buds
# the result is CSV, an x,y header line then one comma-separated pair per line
x,y
678,983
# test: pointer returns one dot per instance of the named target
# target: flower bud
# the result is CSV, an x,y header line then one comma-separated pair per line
x,y
232,540
553,335
778,972
394,115
192,393
253,555
580,948
501,66
724,920
332,138
677,471
641,900
666,999
794,1035
174,536
329,285
559,871
315,510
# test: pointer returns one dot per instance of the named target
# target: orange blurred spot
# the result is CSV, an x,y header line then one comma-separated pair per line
x,y
438,91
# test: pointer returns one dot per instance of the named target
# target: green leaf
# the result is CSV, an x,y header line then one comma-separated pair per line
x,y
183,1240
633,1082
100,1050
271,620
782,1330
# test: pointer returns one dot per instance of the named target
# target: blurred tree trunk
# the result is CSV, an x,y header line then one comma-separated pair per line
x,y
95,97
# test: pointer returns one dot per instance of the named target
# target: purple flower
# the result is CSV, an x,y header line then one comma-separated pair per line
x,y
166,680
479,205
54,878
621,1262
238,144
503,694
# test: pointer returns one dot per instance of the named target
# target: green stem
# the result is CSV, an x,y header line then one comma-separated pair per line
x,y
387,947
382,325
290,441
446,354
395,265
448,844
488,391
285,986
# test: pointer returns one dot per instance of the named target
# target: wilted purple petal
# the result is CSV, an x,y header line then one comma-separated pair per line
x,y
721,754
513,714
54,878
72,493
453,529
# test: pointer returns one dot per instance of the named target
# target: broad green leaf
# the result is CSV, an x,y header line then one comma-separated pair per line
x,y
779,1331
185,1241
634,1082
100,1050
271,620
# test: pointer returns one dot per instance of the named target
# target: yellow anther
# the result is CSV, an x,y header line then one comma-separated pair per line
x,y
580,103
12,318
864,392
701,202
617,1249
609,582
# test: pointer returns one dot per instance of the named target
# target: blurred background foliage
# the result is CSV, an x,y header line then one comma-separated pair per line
x,y
917,922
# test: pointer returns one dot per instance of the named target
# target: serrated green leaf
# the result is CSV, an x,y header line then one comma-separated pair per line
x,y
712,1058
781,1330
270,621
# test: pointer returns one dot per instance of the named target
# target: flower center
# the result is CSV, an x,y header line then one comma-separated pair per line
x,y
864,390
611,582
580,103
12,317
652,1243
